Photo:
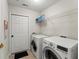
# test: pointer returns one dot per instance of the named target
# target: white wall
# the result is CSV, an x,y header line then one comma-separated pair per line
x,y
3,16
32,15
61,19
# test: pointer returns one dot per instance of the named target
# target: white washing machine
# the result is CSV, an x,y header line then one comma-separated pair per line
x,y
59,48
36,45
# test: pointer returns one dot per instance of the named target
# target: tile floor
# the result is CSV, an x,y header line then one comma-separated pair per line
x,y
30,56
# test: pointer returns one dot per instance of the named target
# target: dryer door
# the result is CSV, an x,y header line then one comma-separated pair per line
x,y
34,46
50,54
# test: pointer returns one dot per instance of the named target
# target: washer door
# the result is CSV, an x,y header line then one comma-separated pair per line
x,y
34,46
49,53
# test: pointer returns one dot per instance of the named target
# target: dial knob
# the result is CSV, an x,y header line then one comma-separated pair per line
x,y
51,44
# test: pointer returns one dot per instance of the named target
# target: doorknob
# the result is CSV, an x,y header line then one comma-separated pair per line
x,y
12,35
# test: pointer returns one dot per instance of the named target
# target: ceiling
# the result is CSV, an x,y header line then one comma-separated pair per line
x,y
37,5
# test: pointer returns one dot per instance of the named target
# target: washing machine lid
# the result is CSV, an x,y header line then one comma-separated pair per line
x,y
65,42
39,36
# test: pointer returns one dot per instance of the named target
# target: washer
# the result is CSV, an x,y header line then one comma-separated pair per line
x,y
59,48
36,45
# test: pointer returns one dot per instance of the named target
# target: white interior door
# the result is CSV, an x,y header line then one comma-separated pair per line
x,y
19,33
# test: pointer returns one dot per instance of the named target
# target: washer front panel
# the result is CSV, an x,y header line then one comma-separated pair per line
x,y
49,53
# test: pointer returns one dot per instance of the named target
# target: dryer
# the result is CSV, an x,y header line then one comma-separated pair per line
x,y
36,45
59,48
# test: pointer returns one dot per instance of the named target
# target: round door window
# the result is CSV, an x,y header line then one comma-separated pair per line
x,y
33,44
50,55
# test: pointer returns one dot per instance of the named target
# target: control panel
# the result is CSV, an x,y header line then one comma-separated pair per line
x,y
62,49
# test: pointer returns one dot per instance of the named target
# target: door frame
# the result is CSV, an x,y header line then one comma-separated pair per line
x,y
10,29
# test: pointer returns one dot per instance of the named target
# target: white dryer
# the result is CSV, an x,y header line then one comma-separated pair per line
x,y
36,45
59,48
